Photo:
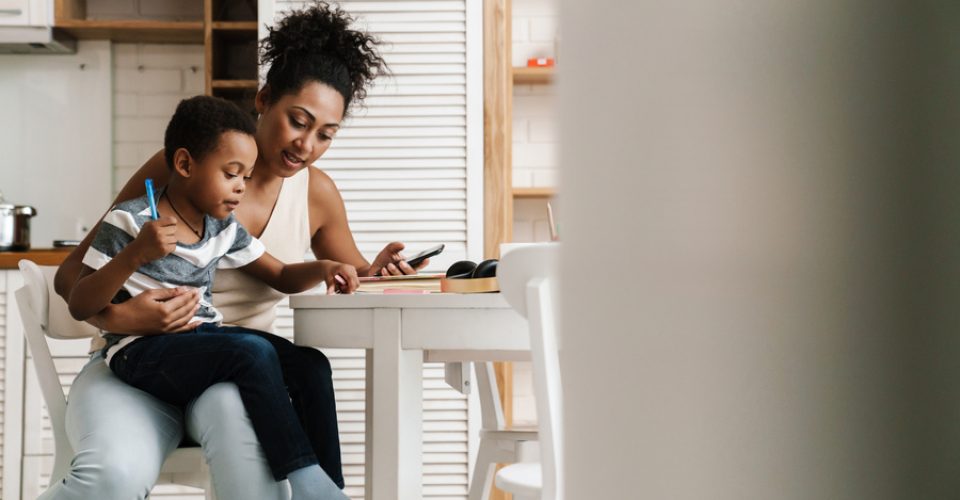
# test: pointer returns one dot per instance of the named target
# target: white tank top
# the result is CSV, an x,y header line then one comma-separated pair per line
x,y
246,301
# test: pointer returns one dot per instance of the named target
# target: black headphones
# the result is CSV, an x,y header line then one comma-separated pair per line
x,y
464,269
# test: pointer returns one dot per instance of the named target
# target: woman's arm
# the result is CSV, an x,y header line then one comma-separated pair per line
x,y
165,310
332,238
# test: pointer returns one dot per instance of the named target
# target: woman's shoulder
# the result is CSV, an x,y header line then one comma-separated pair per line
x,y
322,190
324,199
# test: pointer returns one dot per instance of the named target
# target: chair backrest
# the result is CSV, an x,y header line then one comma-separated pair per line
x,y
44,314
528,280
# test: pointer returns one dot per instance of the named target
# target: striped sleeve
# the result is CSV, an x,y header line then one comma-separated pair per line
x,y
245,249
112,236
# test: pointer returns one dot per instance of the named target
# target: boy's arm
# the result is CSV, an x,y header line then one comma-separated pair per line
x,y
295,278
96,288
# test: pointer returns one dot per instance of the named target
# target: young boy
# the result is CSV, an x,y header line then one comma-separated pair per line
x,y
210,149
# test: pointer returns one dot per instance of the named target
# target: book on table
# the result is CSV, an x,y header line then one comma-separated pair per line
x,y
410,282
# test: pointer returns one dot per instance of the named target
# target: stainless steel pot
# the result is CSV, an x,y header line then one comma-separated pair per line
x,y
15,225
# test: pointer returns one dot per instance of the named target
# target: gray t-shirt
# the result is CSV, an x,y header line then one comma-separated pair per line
x,y
225,245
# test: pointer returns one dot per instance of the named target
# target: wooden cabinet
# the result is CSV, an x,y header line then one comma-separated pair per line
x,y
230,42
228,29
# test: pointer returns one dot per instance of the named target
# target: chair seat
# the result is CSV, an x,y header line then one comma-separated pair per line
x,y
523,479
514,434
184,460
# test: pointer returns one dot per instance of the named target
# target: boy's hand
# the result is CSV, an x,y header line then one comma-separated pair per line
x,y
157,239
341,278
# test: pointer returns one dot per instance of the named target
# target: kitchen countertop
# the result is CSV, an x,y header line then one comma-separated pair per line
x,y
42,256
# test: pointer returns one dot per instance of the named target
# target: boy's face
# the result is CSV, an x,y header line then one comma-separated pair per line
x,y
218,182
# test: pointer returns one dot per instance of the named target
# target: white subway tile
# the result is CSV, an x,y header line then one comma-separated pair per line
x,y
520,29
545,177
542,130
151,147
194,82
126,80
522,177
534,155
126,154
534,7
138,129
160,106
168,56
543,29
125,104
125,55
520,128
160,80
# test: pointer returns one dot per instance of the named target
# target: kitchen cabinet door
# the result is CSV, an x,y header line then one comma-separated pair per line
x,y
14,12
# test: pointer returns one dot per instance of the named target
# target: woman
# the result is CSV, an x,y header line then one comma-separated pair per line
x,y
318,66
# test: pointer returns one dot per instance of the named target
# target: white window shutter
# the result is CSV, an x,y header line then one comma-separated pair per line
x,y
409,165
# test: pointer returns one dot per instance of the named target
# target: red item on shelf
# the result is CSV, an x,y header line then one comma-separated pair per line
x,y
540,62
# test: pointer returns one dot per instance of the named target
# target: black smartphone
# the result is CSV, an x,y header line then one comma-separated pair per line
x,y
426,254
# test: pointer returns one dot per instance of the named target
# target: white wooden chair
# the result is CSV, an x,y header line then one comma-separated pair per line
x,y
528,280
498,444
44,314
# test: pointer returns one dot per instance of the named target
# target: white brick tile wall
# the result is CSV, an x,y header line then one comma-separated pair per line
x,y
534,154
543,29
149,81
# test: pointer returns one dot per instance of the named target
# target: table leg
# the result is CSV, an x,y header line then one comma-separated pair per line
x,y
395,390
368,428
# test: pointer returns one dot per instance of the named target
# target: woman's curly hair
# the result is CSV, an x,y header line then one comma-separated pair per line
x,y
317,44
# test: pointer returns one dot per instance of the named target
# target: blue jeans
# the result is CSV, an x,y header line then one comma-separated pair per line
x,y
177,368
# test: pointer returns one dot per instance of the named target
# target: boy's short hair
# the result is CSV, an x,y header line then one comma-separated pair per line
x,y
198,123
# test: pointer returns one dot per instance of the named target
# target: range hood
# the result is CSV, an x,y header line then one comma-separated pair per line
x,y
35,40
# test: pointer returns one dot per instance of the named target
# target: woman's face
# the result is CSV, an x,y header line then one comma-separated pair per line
x,y
298,128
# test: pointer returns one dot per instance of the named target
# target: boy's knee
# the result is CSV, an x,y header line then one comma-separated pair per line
x,y
318,361
257,349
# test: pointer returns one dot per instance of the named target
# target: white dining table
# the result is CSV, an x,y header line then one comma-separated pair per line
x,y
399,333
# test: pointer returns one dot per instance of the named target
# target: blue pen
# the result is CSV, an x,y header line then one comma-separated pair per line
x,y
153,203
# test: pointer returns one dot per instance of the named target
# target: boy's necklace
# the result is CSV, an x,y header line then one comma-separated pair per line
x,y
170,201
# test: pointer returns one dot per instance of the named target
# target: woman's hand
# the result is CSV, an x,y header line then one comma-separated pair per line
x,y
341,278
390,262
162,310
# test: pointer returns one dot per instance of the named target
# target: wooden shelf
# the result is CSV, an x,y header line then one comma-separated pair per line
x,y
133,31
533,76
534,192
234,84
234,25
41,256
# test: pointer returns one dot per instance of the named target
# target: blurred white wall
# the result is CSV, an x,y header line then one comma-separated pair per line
x,y
760,244
55,138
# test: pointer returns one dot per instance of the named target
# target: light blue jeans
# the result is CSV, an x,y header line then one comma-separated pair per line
x,y
121,435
